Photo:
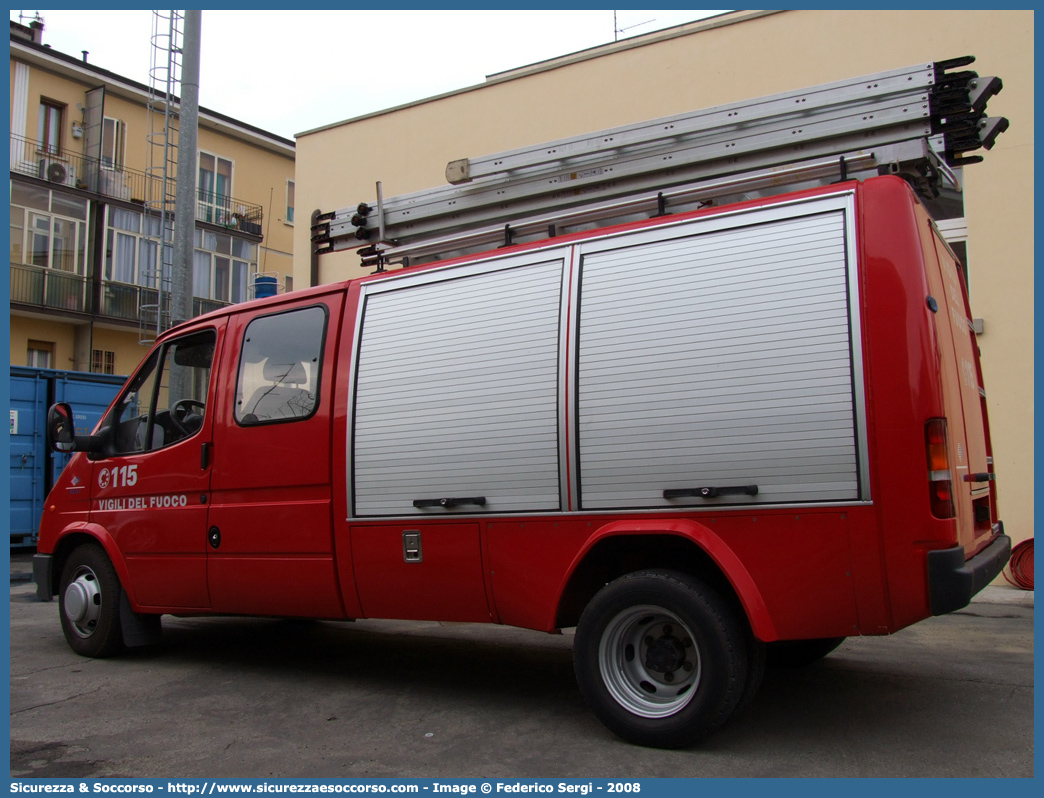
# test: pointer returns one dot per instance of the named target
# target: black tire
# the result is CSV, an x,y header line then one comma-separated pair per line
x,y
660,658
800,653
757,657
89,603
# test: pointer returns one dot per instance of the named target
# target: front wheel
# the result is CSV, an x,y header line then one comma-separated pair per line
x,y
660,658
88,603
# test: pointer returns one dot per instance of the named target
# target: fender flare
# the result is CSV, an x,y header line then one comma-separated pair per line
x,y
723,557
102,536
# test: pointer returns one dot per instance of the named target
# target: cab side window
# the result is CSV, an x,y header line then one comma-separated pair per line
x,y
280,366
166,401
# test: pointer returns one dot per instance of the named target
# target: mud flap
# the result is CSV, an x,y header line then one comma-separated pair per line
x,y
138,629
43,568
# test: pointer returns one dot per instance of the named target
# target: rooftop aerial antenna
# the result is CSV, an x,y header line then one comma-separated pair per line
x,y
617,30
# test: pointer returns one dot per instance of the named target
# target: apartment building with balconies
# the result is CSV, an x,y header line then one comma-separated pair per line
x,y
88,283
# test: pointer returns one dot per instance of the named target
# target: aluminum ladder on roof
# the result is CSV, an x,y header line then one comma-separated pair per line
x,y
920,120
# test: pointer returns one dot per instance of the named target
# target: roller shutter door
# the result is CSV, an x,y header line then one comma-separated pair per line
x,y
718,360
457,394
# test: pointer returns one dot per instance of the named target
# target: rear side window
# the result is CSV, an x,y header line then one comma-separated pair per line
x,y
280,366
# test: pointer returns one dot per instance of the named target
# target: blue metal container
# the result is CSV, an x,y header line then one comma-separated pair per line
x,y
34,468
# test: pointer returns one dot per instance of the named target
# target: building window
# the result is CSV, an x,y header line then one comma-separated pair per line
x,y
50,129
48,229
40,354
132,247
113,136
289,201
214,189
103,361
17,234
221,267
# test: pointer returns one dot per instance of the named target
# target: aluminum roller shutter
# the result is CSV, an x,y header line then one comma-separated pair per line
x,y
718,360
457,394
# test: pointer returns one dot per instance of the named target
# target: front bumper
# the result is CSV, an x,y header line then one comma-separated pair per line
x,y
952,580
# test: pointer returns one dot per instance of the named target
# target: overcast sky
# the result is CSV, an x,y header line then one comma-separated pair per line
x,y
290,71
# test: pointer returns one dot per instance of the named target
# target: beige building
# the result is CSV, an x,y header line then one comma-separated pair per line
x,y
86,244
733,57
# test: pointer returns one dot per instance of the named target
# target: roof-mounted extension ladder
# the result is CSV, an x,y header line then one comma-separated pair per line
x,y
920,122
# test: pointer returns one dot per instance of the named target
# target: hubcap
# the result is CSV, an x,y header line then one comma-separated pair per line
x,y
649,661
82,602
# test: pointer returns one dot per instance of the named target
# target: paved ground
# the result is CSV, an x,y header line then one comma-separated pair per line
x,y
952,696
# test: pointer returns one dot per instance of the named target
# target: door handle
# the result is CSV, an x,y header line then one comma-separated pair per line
x,y
450,502
214,537
711,492
411,546
981,477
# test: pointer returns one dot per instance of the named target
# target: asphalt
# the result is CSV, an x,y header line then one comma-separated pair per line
x,y
258,698
21,566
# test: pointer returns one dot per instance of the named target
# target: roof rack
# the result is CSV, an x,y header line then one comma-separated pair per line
x,y
920,121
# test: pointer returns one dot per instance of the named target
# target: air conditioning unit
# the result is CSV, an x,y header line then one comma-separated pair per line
x,y
55,171
114,184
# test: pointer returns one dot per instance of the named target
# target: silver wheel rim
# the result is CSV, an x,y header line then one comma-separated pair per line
x,y
82,602
649,661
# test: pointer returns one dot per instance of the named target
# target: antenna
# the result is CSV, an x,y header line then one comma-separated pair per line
x,y
618,30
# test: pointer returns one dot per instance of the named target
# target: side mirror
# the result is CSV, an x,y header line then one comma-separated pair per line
x,y
61,431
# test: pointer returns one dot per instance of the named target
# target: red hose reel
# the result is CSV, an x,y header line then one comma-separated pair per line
x,y
1020,566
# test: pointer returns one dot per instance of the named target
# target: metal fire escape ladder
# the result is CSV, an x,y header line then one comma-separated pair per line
x,y
161,173
920,121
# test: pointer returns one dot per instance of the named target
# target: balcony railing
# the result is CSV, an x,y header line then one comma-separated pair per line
x,y
201,306
67,169
49,288
122,301
228,212
119,301
58,290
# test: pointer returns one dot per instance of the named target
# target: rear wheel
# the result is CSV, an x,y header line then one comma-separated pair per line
x,y
88,603
660,658
757,656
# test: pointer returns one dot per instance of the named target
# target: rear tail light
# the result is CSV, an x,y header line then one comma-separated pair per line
x,y
940,479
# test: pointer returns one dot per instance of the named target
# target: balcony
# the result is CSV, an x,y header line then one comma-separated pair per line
x,y
49,288
125,302
73,171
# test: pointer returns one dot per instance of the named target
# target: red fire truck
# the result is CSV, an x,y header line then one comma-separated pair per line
x,y
756,426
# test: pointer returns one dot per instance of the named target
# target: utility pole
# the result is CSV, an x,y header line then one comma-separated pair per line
x,y
185,201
